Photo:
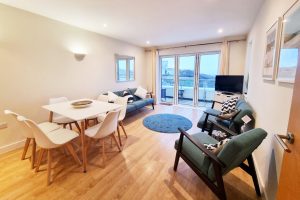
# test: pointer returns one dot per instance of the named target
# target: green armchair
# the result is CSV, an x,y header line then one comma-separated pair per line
x,y
210,167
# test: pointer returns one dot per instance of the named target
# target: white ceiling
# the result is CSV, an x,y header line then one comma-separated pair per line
x,y
162,22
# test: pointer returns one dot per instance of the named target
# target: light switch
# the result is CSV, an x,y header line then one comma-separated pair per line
x,y
3,125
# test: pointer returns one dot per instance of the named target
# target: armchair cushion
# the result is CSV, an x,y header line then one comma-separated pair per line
x,y
194,154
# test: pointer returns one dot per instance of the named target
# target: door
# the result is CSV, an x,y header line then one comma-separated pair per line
x,y
186,79
208,69
289,181
167,79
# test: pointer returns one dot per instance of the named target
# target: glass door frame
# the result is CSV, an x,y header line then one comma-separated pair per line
x,y
197,67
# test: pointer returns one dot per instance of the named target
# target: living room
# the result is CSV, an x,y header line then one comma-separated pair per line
x,y
169,59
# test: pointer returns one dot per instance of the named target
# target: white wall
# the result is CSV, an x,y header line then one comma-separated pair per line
x,y
37,63
237,55
270,100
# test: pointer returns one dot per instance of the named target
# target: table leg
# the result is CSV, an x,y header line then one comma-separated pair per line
x,y
82,137
51,116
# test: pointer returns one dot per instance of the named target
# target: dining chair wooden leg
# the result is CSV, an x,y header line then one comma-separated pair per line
x,y
122,125
118,130
33,153
77,126
103,151
73,153
95,121
86,123
70,125
49,167
65,125
39,160
25,148
115,139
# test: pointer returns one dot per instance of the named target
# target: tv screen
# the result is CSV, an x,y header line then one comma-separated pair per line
x,y
229,83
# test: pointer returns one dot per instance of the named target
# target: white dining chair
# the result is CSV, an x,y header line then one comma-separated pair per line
x,y
103,98
105,129
49,141
121,101
28,134
61,120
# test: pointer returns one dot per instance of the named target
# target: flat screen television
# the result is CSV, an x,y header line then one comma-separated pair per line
x,y
230,83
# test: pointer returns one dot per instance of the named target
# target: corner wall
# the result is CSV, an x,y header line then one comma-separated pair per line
x,y
37,62
271,100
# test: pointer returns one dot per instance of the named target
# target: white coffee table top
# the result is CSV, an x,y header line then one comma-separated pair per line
x,y
77,114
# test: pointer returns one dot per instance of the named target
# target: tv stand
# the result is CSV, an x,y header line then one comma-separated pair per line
x,y
223,96
227,93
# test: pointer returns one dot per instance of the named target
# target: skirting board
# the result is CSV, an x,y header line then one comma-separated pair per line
x,y
260,180
12,146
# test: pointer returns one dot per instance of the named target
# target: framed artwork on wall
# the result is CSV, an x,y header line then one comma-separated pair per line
x,y
272,51
290,45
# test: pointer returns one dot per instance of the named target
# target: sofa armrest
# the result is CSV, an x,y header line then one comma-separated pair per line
x,y
200,146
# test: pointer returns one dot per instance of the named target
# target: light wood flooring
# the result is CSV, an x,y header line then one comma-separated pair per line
x,y
143,170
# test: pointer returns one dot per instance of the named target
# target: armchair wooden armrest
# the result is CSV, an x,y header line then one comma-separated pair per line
x,y
200,146
214,102
223,128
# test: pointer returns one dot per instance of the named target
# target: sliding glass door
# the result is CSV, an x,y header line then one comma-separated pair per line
x,y
167,79
189,79
208,69
186,79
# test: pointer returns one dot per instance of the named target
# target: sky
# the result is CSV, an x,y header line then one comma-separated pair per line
x,y
209,63
288,58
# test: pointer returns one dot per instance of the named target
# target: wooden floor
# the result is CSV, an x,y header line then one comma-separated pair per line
x,y
143,170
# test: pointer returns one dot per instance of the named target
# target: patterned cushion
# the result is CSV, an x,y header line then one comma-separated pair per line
x,y
216,148
130,97
229,106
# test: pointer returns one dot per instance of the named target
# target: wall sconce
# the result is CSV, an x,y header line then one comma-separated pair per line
x,y
79,56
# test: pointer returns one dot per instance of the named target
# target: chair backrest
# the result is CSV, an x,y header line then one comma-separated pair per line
x,y
109,124
238,149
122,101
103,98
25,130
40,137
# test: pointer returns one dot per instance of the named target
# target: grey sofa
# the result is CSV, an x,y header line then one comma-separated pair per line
x,y
137,103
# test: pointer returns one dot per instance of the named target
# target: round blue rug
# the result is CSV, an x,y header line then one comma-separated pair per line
x,y
167,123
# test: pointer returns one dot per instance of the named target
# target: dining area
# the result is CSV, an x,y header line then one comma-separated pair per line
x,y
70,132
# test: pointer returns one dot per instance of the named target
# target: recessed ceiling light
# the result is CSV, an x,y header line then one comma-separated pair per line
x,y
148,42
104,25
220,30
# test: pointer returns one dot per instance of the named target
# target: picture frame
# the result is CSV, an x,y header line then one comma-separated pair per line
x,y
290,45
271,59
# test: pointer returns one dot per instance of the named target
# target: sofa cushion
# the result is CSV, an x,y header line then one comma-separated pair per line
x,y
130,108
194,154
140,103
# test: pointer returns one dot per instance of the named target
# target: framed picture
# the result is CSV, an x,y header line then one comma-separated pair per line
x,y
290,45
272,51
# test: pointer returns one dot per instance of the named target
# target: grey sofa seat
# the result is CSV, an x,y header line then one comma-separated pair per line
x,y
137,103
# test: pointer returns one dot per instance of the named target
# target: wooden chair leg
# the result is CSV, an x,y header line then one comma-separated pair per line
x,y
176,161
95,121
33,153
118,130
65,125
77,126
49,167
70,125
253,174
25,148
86,123
122,125
39,160
103,151
115,139
73,153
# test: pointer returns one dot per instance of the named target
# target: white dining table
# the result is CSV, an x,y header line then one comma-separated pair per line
x,y
81,114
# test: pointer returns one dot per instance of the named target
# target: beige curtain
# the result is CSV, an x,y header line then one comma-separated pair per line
x,y
155,65
224,63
